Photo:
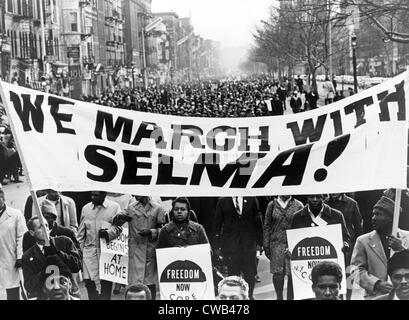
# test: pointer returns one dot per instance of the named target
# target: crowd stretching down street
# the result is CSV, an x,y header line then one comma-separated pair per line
x,y
239,229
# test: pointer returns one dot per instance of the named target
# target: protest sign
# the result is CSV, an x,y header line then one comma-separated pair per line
x,y
185,273
310,246
76,146
113,263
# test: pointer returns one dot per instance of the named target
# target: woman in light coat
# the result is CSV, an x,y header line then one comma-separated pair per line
x,y
277,221
147,220
12,229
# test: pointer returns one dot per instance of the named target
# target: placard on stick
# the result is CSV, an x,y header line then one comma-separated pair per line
x,y
113,264
310,246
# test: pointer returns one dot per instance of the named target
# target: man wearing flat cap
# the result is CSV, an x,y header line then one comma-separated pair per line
x,y
398,271
372,251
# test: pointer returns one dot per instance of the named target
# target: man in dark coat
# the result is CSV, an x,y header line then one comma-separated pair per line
x,y
316,213
312,97
49,213
205,208
353,219
239,233
34,259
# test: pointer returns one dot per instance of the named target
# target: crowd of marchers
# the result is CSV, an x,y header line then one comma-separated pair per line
x,y
235,227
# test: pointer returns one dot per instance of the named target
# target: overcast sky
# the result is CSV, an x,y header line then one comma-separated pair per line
x,y
229,21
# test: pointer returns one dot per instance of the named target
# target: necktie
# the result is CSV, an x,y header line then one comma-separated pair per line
x,y
385,245
237,205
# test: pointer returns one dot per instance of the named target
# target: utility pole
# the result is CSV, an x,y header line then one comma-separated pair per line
x,y
330,40
145,77
353,41
43,49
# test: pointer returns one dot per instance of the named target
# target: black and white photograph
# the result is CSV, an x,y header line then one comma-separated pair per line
x,y
204,150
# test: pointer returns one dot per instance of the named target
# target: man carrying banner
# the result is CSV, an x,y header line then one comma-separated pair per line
x,y
12,229
147,220
372,251
34,259
96,222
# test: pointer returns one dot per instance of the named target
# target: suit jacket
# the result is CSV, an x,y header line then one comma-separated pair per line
x,y
33,262
238,233
370,262
302,219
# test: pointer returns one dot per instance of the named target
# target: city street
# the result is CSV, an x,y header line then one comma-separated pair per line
x,y
17,193
205,106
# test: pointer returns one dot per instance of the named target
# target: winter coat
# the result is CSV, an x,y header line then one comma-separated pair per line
x,y
12,229
142,256
34,260
190,234
276,222
93,219
238,233
370,262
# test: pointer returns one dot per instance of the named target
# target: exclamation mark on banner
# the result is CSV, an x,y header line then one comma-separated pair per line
x,y
334,150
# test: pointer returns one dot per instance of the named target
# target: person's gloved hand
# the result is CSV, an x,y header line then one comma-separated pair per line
x,y
18,264
287,253
103,234
345,247
121,219
145,233
50,250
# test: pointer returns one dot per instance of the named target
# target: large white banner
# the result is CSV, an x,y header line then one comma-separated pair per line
x,y
310,246
359,143
185,273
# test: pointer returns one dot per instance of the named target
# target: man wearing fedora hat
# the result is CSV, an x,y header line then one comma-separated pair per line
x,y
398,271
372,251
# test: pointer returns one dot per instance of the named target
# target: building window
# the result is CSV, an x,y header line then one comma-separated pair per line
x,y
74,21
38,9
10,5
19,9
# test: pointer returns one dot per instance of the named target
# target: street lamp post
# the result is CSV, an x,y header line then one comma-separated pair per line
x,y
353,41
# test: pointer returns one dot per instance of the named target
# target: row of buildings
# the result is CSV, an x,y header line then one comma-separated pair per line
x,y
76,47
